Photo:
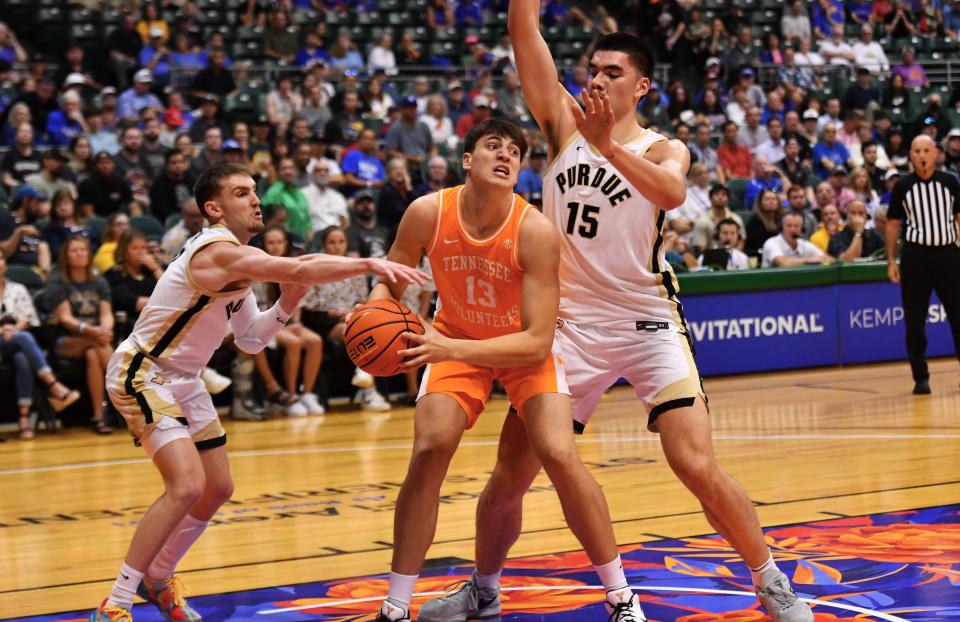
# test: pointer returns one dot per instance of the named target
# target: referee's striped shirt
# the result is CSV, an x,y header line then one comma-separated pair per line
x,y
929,207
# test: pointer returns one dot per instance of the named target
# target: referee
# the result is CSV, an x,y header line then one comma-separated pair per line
x,y
929,201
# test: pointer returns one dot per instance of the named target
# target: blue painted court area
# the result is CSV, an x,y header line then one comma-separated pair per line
x,y
900,566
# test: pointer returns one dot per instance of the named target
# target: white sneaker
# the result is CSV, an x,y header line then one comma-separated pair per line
x,y
624,606
215,382
361,379
296,409
372,401
391,613
312,404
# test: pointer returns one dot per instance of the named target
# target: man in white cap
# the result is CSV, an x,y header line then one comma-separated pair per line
x,y
951,151
156,57
138,97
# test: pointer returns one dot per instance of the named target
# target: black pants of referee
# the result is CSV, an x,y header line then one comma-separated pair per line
x,y
923,270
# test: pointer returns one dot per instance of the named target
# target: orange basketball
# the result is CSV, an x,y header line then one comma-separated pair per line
x,y
373,336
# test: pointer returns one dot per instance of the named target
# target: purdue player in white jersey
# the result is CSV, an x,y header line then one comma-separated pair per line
x,y
153,378
607,188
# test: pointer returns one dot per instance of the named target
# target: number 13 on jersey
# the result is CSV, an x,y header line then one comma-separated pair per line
x,y
480,292
586,215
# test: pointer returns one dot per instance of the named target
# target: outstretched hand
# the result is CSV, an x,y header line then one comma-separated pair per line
x,y
595,121
393,272
290,296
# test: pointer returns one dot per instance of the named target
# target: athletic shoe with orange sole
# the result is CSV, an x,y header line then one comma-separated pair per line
x,y
108,613
170,598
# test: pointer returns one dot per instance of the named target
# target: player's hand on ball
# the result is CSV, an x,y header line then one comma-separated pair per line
x,y
393,271
432,347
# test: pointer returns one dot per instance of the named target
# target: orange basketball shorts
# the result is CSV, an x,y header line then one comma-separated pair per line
x,y
470,385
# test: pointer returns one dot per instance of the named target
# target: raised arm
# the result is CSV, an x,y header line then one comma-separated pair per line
x,y
413,239
542,92
540,259
222,263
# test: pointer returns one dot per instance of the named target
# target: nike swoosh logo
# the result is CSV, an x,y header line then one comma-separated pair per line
x,y
446,241
125,577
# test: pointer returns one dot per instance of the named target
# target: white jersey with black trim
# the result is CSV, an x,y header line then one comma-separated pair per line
x,y
184,323
612,270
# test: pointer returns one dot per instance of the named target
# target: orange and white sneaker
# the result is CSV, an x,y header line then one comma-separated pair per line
x,y
169,597
109,613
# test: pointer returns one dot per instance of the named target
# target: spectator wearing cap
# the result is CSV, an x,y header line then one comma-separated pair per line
x,y
409,138
215,79
951,151
233,153
755,94
842,194
869,54
712,69
795,23
21,160
890,179
343,54
706,225
365,236
280,40
20,241
861,95
174,123
155,56
138,97
530,180
481,112
286,192
396,194
933,120
49,180
172,188
735,159
458,104
913,74
209,117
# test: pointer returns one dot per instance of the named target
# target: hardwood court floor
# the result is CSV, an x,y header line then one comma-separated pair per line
x,y
314,496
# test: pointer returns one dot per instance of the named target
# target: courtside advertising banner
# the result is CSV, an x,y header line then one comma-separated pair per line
x,y
761,331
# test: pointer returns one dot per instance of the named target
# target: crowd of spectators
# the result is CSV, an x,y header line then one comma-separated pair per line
x,y
796,133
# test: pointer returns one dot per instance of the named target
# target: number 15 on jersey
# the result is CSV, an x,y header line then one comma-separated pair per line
x,y
586,215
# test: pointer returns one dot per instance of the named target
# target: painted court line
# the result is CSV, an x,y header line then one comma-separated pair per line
x,y
648,438
646,588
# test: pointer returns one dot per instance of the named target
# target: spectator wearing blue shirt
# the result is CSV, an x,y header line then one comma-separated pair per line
x,y
67,121
184,56
860,11
10,49
555,13
468,13
826,15
530,179
344,56
439,14
156,57
138,97
829,153
311,50
951,20
362,167
765,177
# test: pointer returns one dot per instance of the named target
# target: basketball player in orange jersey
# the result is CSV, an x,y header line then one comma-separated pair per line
x,y
494,260
154,376
607,189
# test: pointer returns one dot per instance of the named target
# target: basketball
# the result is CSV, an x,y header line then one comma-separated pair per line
x,y
373,336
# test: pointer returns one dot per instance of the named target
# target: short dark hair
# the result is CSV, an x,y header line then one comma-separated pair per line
x,y
210,183
729,221
867,143
169,155
631,45
496,126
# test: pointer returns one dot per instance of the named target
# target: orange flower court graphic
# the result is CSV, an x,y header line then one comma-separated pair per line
x,y
901,566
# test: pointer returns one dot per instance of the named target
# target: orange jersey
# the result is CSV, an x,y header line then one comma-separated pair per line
x,y
479,282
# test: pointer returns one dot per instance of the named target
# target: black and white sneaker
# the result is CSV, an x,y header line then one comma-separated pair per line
x,y
624,606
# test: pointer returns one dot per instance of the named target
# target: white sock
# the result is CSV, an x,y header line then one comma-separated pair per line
x,y
766,568
487,581
125,587
401,589
611,575
176,546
